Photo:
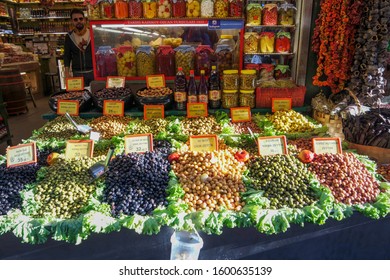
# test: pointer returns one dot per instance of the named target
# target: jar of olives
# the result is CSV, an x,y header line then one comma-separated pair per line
x,y
224,56
145,59
247,79
165,60
150,9
229,99
230,80
185,58
221,8
247,98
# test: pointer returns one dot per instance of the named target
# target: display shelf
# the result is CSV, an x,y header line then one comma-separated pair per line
x,y
269,54
269,26
40,18
42,33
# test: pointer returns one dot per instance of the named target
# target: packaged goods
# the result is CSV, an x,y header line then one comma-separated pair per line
x,y
283,42
270,14
253,14
165,61
251,42
207,8
230,80
221,8
203,59
106,9
203,91
282,72
125,61
180,95
193,8
247,98
267,42
150,9
121,9
224,56
214,89
163,8
192,89
229,99
286,14
185,58
135,9
105,62
235,8
178,8
93,11
247,79
145,61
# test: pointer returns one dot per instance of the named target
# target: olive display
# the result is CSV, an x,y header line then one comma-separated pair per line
x,y
302,144
198,126
290,122
284,179
136,183
154,92
162,146
111,93
242,127
109,126
145,63
224,59
70,95
153,126
185,60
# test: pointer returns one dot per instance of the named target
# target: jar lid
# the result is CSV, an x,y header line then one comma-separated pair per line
x,y
248,72
283,34
226,36
104,48
230,72
230,91
247,91
144,48
124,48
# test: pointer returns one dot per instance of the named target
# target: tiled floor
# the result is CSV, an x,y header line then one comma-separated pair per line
x,y
22,125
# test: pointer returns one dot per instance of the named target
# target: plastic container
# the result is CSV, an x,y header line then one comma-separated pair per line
x,y
204,55
150,9
248,79
185,58
185,245
121,9
106,9
125,61
207,8
164,8
165,61
286,14
267,42
247,98
253,14
135,9
105,62
221,8
251,42
235,8
270,14
145,60
230,80
229,99
282,72
283,42
178,8
193,8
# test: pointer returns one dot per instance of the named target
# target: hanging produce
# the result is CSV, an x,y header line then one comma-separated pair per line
x,y
333,41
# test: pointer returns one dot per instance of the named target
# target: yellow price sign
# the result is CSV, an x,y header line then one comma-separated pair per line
x,y
155,81
115,82
113,108
327,146
153,112
196,110
241,114
79,148
68,106
281,104
74,84
272,145
138,143
204,143
21,155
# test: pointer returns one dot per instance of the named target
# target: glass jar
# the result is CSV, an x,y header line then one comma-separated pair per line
x,y
105,62
145,61
247,79
286,14
221,8
267,42
185,58
178,8
135,9
224,54
266,72
270,14
253,14
283,42
150,9
282,72
193,8
106,9
251,42
93,11
229,99
165,61
247,98
235,8
164,8
207,8
204,55
230,80
126,62
121,9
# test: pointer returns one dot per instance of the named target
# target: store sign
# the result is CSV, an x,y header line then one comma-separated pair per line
x,y
155,81
327,146
21,155
113,108
75,84
153,112
115,82
272,145
68,106
241,114
281,104
225,24
196,110
79,148
138,143
204,143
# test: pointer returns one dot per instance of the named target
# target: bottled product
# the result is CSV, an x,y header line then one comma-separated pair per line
x,y
267,42
163,8
203,91
282,72
150,9
105,62
106,9
221,8
145,60
180,95
286,14
178,8
247,98
125,60
253,66
121,9
203,58
270,14
193,8
235,8
192,90
230,80
135,9
214,89
251,42
253,14
207,8
229,99
165,60
185,58
283,42
224,52
93,11
247,79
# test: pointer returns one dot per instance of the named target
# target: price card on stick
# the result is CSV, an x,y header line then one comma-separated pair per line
x,y
115,82
155,81
196,110
21,155
240,114
153,112
79,148
272,145
74,84
68,106
138,143
113,108
281,104
204,143
327,146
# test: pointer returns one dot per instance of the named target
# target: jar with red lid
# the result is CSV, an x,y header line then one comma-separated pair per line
x,y
204,56
283,42
165,60
105,62
282,72
164,8
178,8
235,8
135,9
106,9
125,61
270,14
121,9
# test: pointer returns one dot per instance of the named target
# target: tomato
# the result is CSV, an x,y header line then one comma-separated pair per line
x,y
306,156
241,156
173,156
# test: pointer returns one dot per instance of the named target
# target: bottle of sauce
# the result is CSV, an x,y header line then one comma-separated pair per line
x,y
180,95
214,89
192,90
203,91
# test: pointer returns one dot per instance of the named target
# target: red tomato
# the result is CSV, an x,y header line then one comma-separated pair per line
x,y
241,156
173,156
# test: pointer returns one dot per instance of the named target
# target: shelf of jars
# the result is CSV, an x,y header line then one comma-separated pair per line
x,y
271,54
41,33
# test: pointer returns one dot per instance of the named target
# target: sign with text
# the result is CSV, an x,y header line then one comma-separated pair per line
x,y
68,106
113,108
153,112
78,148
281,104
204,143
138,143
155,81
272,145
74,84
240,114
196,110
21,155
115,82
327,146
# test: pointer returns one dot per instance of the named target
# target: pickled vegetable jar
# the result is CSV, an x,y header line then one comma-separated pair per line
x,y
221,8
267,42
286,14
247,79
235,8
150,9
185,58
229,99
282,72
247,98
253,66
253,14
93,11
125,60
283,42
106,9
204,55
145,59
270,14
178,8
207,8
266,72
230,80
105,62
121,9
251,42
193,8
165,60
135,9
164,8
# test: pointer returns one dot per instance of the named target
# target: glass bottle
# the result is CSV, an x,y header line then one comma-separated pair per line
x,y
135,9
203,91
164,8
180,95
214,89
192,91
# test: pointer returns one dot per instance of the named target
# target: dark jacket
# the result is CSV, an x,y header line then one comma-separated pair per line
x,y
81,61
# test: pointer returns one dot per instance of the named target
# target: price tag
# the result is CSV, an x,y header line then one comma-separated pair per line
x,y
153,112
196,110
95,136
240,114
75,84
68,106
155,81
113,108
115,82
327,146
272,145
78,148
204,143
21,155
138,143
279,104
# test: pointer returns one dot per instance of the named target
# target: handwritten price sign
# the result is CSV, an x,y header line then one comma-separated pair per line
x,y
21,155
115,82
327,146
240,114
138,143
113,108
74,84
79,148
273,145
204,143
